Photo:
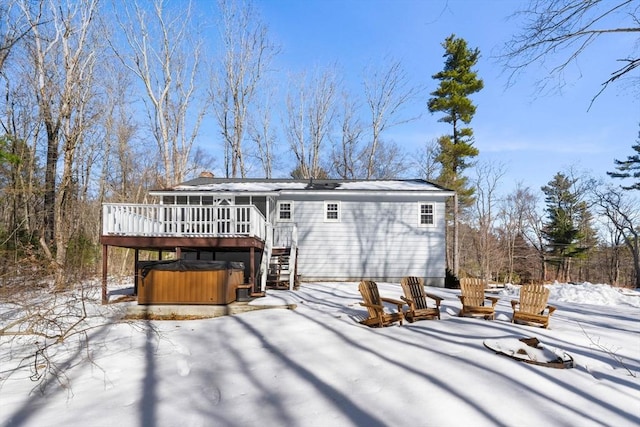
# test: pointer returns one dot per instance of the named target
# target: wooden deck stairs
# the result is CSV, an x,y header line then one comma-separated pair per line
x,y
280,268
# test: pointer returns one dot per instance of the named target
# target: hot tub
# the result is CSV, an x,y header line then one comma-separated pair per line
x,y
188,282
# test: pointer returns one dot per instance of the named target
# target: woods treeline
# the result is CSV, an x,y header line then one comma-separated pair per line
x,y
576,228
102,101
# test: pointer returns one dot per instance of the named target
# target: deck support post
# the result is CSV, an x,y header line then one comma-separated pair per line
x,y
252,266
136,258
178,253
105,252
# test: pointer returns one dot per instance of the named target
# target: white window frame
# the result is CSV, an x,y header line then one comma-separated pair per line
x,y
279,210
421,214
327,203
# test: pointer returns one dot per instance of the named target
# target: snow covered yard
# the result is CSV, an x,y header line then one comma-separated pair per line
x,y
316,366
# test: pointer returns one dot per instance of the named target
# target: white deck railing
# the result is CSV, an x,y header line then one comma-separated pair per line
x,y
283,235
182,220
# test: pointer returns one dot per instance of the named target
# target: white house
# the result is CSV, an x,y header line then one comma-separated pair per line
x,y
319,230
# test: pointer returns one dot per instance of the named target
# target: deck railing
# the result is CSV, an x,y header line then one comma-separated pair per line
x,y
182,220
283,235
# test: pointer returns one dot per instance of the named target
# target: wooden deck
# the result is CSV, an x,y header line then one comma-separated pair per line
x,y
177,228
173,242
193,221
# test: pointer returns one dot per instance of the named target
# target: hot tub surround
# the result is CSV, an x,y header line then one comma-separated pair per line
x,y
189,282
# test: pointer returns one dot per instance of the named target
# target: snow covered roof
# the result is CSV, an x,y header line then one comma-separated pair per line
x,y
258,186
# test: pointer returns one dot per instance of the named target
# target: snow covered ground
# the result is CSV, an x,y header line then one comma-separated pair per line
x,y
316,366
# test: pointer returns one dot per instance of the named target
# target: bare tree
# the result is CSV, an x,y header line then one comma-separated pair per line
x,y
612,252
310,113
122,177
247,55
427,161
263,135
165,57
391,161
517,219
13,27
521,223
559,31
63,51
347,154
19,134
486,185
622,210
387,92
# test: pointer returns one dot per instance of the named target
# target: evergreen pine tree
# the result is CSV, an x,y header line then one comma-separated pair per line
x,y
629,168
457,81
568,228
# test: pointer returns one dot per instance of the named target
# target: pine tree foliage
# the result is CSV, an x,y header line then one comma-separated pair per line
x,y
629,168
6,156
568,230
454,159
458,80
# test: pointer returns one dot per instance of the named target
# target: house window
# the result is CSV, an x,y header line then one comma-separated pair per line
x,y
426,218
332,211
285,211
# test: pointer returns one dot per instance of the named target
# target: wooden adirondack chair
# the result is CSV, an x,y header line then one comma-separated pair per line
x,y
378,316
532,306
474,302
417,300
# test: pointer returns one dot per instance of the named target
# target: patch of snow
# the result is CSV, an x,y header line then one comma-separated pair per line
x,y
584,293
274,186
245,186
317,366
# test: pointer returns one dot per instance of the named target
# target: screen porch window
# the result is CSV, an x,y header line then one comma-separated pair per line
x,y
285,211
332,211
426,215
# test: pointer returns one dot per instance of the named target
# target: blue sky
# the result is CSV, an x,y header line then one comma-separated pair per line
x,y
533,135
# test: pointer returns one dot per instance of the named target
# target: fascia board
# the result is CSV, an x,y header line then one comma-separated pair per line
x,y
336,193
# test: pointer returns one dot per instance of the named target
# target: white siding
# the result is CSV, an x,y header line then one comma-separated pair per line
x,y
379,240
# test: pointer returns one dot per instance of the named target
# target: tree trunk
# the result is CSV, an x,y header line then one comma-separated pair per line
x,y
50,178
456,251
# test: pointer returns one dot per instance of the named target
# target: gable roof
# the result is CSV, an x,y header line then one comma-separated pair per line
x,y
256,186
